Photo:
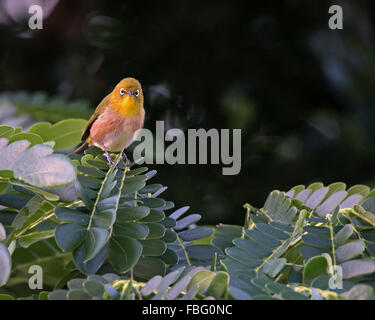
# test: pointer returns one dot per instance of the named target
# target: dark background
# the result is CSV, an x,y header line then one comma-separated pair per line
x,y
302,94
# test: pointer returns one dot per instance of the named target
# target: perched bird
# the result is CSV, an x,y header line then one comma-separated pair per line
x,y
117,118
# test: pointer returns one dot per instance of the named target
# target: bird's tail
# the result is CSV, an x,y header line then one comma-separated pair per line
x,y
82,147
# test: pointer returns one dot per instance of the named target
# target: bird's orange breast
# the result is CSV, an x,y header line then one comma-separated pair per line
x,y
113,131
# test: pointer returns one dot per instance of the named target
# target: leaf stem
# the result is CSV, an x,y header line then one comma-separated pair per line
x,y
40,220
329,218
101,190
183,248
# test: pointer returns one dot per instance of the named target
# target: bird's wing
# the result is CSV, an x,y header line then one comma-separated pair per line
x,y
98,111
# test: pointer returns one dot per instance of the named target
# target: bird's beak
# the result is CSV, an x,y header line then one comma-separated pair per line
x,y
129,93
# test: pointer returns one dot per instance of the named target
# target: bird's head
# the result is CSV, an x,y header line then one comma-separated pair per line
x,y
127,96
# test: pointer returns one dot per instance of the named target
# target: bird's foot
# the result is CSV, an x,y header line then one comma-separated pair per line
x,y
108,156
125,158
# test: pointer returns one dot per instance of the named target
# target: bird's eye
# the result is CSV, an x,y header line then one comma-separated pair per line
x,y
137,93
122,91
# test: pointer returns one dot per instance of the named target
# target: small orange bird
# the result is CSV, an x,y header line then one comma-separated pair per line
x,y
115,122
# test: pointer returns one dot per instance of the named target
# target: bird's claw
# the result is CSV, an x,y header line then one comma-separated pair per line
x,y
125,158
109,159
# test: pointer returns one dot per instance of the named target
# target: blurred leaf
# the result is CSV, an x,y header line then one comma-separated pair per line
x,y
28,239
65,133
360,292
31,137
5,265
349,250
37,165
218,287
354,268
6,131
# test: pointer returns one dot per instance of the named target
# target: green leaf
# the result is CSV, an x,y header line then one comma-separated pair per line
x,y
202,279
124,253
134,184
94,288
147,267
369,205
7,174
262,238
77,295
28,239
359,189
151,188
154,216
92,266
169,257
75,284
70,236
279,207
95,240
316,267
239,256
218,287
154,202
66,133
361,213
317,230
58,295
274,266
316,241
6,131
201,252
131,229
43,295
37,165
196,233
309,252
289,294
272,231
132,213
153,247
46,194
169,236
156,230
136,171
224,235
72,215
93,172
335,187
31,137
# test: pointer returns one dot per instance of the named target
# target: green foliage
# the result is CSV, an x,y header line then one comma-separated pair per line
x,y
28,107
183,283
62,135
121,221
66,133
33,166
103,231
